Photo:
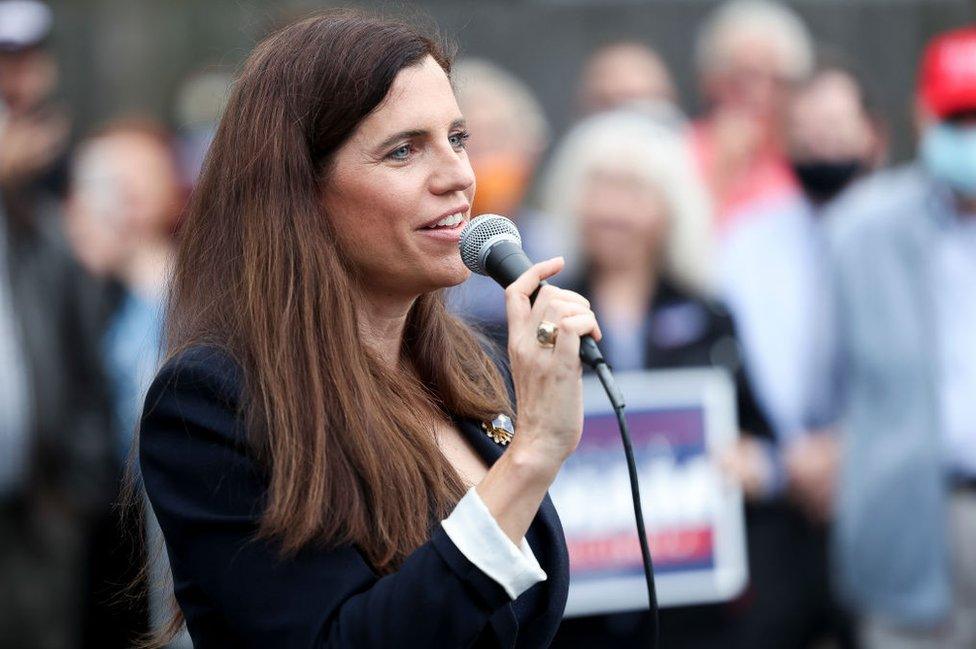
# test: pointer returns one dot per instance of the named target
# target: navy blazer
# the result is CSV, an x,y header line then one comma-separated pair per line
x,y
208,494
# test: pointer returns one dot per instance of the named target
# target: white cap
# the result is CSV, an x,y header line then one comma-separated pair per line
x,y
23,24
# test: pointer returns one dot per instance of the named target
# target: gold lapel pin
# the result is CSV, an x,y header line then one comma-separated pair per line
x,y
500,429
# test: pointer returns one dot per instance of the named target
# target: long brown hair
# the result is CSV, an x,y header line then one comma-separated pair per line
x,y
347,442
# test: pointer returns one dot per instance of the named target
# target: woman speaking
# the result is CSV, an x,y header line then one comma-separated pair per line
x,y
324,446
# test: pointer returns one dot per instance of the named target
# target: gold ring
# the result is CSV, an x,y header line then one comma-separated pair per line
x,y
545,333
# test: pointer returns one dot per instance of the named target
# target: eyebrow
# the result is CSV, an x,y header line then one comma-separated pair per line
x,y
408,135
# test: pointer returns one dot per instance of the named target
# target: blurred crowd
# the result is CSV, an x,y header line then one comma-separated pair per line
x,y
767,235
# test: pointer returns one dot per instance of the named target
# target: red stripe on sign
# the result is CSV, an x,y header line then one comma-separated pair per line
x,y
623,551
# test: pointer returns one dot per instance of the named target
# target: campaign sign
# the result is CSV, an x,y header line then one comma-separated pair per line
x,y
679,421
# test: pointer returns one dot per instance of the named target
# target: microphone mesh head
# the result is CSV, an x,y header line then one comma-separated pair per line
x,y
480,234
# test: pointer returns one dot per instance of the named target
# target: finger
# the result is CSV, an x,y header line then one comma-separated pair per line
x,y
570,330
529,280
517,304
523,335
595,331
572,296
557,309
523,318
546,296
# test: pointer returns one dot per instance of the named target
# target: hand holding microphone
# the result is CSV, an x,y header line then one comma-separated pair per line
x,y
547,326
548,373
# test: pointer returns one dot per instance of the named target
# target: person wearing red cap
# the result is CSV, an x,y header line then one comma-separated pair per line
x,y
904,252
947,107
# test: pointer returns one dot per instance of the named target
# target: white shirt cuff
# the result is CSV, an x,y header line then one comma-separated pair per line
x,y
476,533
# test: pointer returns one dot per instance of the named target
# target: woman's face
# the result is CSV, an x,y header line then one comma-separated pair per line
x,y
402,171
623,220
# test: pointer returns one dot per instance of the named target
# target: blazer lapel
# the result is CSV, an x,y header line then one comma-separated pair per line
x,y
479,440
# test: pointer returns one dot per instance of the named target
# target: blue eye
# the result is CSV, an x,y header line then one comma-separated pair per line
x,y
459,140
400,153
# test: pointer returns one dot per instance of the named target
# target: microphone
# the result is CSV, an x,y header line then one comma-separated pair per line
x,y
491,245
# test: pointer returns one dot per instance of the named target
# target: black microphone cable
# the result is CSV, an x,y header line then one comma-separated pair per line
x,y
491,245
610,387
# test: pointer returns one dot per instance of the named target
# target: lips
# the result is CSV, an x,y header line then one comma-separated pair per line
x,y
445,233
448,220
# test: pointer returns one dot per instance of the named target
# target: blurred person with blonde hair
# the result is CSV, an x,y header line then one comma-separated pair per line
x,y
509,134
748,53
621,73
623,191
644,147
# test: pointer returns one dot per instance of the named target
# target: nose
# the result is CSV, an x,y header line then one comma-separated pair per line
x,y
452,172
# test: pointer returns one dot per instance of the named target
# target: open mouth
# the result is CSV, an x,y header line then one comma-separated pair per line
x,y
447,223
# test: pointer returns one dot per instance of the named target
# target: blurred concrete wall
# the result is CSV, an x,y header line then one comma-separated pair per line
x,y
131,55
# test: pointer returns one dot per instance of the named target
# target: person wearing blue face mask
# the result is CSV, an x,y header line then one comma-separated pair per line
x,y
904,253
948,152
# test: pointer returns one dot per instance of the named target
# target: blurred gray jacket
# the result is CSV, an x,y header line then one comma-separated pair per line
x,y
46,515
61,312
890,534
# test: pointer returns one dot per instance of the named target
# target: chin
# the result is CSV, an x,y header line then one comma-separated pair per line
x,y
449,277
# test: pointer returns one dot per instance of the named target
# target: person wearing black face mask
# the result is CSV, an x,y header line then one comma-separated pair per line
x,y
773,276
832,136
822,180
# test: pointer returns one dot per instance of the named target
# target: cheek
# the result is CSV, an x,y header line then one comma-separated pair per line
x,y
654,220
653,229
370,224
367,246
